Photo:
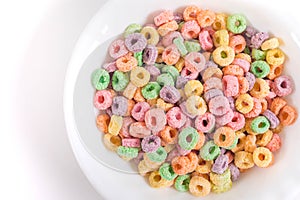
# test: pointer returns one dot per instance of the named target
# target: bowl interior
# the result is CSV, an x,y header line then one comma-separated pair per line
x,y
112,24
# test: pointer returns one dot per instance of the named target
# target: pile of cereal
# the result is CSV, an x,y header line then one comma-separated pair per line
x,y
194,99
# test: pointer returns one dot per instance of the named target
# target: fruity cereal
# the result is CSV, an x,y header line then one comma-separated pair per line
x,y
194,99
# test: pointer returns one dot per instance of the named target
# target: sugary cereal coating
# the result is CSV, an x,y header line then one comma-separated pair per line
x,y
194,98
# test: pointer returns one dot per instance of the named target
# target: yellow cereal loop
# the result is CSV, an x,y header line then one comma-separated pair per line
x,y
115,124
199,186
212,72
196,105
160,50
150,34
263,139
220,21
220,179
193,87
244,103
160,103
244,56
250,143
129,91
241,142
223,55
112,142
260,89
243,160
156,181
270,44
139,76
204,166
262,157
221,37
275,57
152,102
180,64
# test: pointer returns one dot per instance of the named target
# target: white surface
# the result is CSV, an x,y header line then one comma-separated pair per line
x,y
36,40
85,136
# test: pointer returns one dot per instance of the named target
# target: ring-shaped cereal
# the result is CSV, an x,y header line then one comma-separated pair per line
x,y
243,160
263,139
212,72
240,143
150,34
199,186
132,28
102,122
182,183
175,117
193,157
230,85
275,57
171,55
135,42
115,124
156,181
263,157
201,141
205,123
204,166
260,68
244,103
139,76
221,38
193,87
234,70
220,179
117,49
205,40
260,89
209,151
188,138
194,62
287,115
167,28
275,71
100,79
191,13
243,85
167,172
169,135
220,21
151,90
260,124
103,99
277,104
112,142
196,105
126,63
224,137
236,23
223,55
250,143
256,110
238,43
155,119
163,17
190,30
206,18
180,165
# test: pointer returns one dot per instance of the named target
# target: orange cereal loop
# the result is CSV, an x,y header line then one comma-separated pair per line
x,y
138,97
212,72
263,157
263,139
243,85
169,135
206,18
241,142
224,137
103,122
199,186
238,43
131,103
243,160
277,104
278,129
250,143
234,70
193,161
260,89
167,28
180,64
275,71
256,110
180,165
206,55
160,103
248,128
191,13
264,105
287,115
156,181
244,56
204,166
126,63
201,141
220,22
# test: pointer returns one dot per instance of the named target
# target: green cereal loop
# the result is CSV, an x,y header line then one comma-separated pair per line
x,y
260,124
120,80
209,151
165,79
128,152
139,57
236,23
158,156
180,46
258,54
132,28
182,183
260,68
247,50
220,179
188,133
221,188
192,46
236,140
159,65
151,90
166,172
100,79
170,70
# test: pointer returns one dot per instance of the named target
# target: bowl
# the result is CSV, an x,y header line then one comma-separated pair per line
x,y
106,171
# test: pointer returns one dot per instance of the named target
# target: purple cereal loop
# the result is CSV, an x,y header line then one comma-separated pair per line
x,y
150,54
273,119
135,42
154,72
150,143
208,95
235,172
223,151
249,32
282,86
258,39
167,40
219,105
220,164
180,82
169,94
119,106
231,103
110,67
184,110
251,79
117,49
225,119
181,151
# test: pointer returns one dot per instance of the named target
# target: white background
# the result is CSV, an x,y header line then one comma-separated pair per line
x,y
36,42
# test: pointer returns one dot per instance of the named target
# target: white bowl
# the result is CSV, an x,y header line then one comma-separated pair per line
x,y
114,178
